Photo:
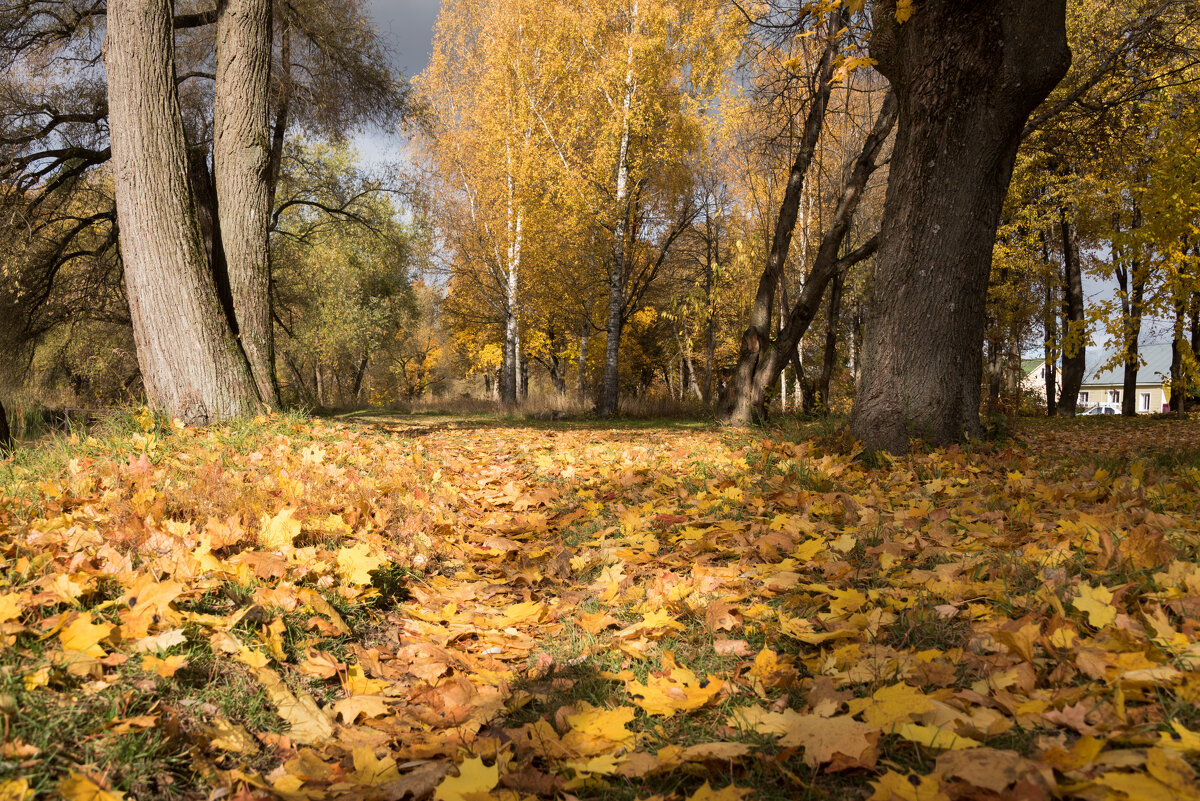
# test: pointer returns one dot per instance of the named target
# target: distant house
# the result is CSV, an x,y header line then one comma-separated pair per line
x,y
1033,379
1104,387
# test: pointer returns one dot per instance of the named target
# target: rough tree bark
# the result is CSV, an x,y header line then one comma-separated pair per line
x,y
967,75
241,171
191,364
1074,348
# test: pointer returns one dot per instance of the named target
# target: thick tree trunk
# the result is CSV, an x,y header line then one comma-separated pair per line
x,y
241,169
967,75
745,401
191,364
1074,345
832,323
6,439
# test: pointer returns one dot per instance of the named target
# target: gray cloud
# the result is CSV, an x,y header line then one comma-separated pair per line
x,y
407,27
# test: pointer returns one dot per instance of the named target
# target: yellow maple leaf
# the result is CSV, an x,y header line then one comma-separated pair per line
x,y
773,671
904,10
1183,739
525,612
473,778
893,786
84,637
228,736
77,787
309,722
1096,603
356,563
15,790
371,771
356,706
730,793
898,703
823,739
165,668
11,607
606,724
279,532
659,619
677,690
935,737
358,683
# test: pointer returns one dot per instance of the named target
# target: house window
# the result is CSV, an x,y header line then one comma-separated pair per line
x,y
1042,373
1114,395
1083,397
1145,401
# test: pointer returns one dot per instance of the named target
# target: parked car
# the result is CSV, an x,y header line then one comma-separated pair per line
x,y
1102,410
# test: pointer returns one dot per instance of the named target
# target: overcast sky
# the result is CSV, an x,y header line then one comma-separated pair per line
x,y
407,28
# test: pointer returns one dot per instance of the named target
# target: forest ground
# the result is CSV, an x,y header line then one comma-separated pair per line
x,y
392,607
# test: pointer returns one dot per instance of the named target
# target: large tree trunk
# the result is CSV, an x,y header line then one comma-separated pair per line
x,y
745,401
968,75
190,362
241,171
1074,345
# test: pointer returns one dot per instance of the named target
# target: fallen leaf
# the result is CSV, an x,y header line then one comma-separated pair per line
x,y
474,778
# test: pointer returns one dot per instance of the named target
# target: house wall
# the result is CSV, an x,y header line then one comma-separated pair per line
x,y
1100,394
1034,383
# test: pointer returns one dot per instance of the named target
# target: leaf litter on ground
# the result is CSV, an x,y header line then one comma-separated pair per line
x,y
303,610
